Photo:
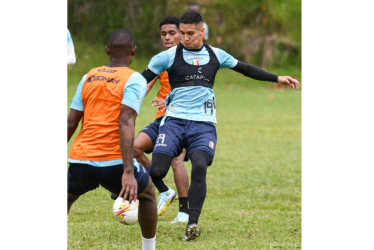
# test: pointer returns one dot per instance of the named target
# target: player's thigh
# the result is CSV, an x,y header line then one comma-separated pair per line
x,y
147,137
143,143
170,137
82,178
179,160
149,192
112,178
202,136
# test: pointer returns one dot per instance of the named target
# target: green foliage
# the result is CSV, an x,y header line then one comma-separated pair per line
x,y
241,27
93,21
253,186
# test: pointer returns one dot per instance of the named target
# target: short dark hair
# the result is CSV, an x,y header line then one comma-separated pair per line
x,y
170,20
191,17
121,39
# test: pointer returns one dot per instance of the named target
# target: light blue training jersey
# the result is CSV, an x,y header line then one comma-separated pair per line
x,y
133,95
189,102
70,40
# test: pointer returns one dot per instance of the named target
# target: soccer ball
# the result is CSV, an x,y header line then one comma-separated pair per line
x,y
125,212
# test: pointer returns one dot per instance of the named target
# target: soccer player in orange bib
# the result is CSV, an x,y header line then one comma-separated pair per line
x,y
107,100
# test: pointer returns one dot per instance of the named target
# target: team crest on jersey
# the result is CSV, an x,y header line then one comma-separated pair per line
x,y
195,62
211,145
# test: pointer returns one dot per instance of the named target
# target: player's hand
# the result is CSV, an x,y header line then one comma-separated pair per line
x,y
129,186
288,81
159,103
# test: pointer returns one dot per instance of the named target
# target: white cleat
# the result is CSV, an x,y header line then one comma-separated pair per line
x,y
165,199
181,218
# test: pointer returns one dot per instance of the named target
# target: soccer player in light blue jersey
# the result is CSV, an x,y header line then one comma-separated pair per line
x,y
71,51
191,108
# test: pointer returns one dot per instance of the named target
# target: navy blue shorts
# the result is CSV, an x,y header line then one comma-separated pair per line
x,y
84,177
152,131
177,134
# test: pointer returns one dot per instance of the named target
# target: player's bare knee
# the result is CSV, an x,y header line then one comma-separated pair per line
x,y
148,194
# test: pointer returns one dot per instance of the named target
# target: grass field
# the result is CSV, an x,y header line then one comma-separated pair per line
x,y
253,186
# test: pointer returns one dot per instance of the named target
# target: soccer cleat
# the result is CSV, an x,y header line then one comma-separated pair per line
x,y
181,218
165,199
192,232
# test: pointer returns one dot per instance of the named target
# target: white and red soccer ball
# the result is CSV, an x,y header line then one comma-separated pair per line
x,y
125,212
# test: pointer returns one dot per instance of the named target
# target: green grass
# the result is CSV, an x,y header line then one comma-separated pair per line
x,y
254,184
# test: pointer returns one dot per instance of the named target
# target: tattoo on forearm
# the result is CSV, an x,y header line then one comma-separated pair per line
x,y
127,150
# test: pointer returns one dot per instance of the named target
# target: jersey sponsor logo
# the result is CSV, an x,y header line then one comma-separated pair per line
x,y
193,57
107,70
211,144
199,70
197,77
101,78
160,140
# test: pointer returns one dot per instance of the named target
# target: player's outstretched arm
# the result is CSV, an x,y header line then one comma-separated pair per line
x,y
73,120
126,135
257,73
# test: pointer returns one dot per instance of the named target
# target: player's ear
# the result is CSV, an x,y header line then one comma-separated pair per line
x,y
202,30
133,50
107,49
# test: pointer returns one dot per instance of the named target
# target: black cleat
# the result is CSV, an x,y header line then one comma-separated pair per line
x,y
192,232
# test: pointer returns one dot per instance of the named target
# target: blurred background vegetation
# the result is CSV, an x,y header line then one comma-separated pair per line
x,y
266,33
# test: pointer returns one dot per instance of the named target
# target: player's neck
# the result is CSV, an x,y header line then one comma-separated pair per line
x,y
197,47
119,62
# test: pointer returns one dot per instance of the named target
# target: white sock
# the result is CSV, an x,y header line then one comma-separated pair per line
x,y
149,244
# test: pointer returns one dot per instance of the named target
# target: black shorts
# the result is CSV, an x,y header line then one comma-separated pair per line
x,y
84,177
152,131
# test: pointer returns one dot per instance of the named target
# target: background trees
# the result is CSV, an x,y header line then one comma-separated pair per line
x,y
262,32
